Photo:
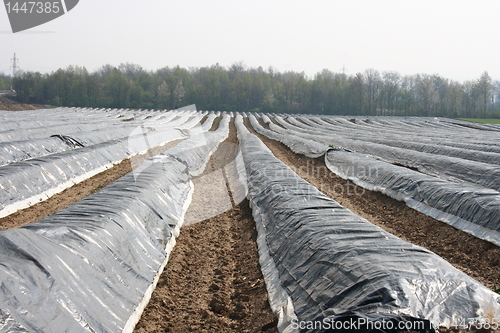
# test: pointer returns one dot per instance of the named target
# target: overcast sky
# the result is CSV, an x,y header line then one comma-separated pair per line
x,y
456,39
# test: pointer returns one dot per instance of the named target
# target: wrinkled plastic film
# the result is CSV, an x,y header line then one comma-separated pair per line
x,y
279,300
470,208
40,143
401,139
334,264
198,146
92,266
26,183
56,172
446,167
296,143
86,268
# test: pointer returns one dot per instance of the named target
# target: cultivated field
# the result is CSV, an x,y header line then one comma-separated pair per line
x,y
122,220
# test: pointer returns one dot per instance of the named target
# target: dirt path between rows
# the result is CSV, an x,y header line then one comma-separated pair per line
x,y
65,198
475,257
212,282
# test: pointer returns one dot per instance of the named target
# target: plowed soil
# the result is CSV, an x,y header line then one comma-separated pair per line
x,y
212,282
8,104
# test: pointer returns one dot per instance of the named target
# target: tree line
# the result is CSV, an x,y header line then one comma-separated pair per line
x,y
238,88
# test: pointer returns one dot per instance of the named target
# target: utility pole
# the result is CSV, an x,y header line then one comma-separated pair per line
x,y
344,77
14,66
343,70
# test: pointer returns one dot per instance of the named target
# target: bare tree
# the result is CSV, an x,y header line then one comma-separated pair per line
x,y
178,93
373,84
485,90
427,96
496,95
389,91
163,94
469,97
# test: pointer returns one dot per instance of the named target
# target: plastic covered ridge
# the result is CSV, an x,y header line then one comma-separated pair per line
x,y
446,167
402,139
93,266
466,206
87,267
279,300
336,265
28,182
201,147
296,143
34,141
470,208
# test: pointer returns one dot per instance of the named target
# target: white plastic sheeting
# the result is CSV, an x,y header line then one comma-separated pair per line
x,y
39,141
296,143
337,266
470,208
31,181
26,183
446,167
11,152
93,266
279,300
467,206
87,267
416,130
377,134
198,145
57,121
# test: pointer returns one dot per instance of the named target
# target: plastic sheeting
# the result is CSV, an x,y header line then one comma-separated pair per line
x,y
207,125
381,129
18,151
432,146
57,121
442,129
336,266
92,266
449,168
26,183
198,146
87,267
296,143
279,300
11,152
473,209
40,144
392,128
468,207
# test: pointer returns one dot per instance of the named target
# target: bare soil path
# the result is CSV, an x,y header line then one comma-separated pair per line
x,y
8,104
213,281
